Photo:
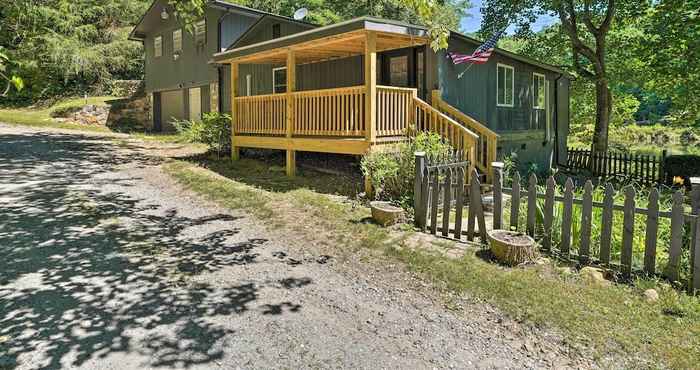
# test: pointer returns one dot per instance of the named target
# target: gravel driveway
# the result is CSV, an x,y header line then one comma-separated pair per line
x,y
108,264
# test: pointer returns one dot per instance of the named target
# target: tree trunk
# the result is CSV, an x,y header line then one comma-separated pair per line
x,y
602,116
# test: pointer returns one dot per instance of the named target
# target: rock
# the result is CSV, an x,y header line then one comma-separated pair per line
x,y
386,214
594,276
651,295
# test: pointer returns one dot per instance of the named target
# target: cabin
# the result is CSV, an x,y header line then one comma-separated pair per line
x,y
356,86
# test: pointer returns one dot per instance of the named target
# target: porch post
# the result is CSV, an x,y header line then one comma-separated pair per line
x,y
235,152
371,87
291,86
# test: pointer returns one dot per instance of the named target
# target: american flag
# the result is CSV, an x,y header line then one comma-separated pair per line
x,y
481,54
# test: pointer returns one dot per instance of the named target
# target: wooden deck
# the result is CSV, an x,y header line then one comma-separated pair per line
x,y
346,120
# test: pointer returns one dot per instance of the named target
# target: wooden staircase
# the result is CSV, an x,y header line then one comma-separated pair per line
x,y
486,140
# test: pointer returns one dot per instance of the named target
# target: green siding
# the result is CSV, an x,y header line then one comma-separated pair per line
x,y
522,128
191,68
325,75
262,31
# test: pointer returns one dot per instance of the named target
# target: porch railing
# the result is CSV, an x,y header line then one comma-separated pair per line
x,y
427,118
261,114
330,112
487,142
340,112
394,105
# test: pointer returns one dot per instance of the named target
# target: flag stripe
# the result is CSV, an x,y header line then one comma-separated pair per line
x,y
481,54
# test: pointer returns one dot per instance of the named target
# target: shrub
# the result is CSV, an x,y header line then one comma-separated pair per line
x,y
392,173
214,129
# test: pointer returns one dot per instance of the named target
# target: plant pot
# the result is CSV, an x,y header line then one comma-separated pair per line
x,y
385,214
511,247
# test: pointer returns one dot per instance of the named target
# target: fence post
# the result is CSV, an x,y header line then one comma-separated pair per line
x,y
662,168
695,245
497,194
418,188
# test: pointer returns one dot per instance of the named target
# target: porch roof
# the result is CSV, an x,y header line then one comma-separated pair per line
x,y
335,41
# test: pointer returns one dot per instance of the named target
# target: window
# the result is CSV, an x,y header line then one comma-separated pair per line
x,y
505,77
276,31
200,32
158,46
279,80
177,41
539,91
248,85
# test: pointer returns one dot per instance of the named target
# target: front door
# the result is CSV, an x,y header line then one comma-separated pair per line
x,y
404,68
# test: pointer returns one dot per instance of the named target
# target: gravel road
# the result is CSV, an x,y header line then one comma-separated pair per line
x,y
109,264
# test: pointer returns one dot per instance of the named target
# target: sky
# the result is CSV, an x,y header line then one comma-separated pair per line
x,y
473,23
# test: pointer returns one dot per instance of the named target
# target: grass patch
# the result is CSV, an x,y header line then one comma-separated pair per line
x,y
41,116
614,320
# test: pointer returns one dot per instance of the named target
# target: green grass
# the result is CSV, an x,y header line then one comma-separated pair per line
x,y
41,116
613,320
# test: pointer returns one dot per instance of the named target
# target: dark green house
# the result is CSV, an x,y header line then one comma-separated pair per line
x,y
511,104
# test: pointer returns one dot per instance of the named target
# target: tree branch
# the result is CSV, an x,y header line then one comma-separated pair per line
x,y
609,14
568,22
588,19
579,68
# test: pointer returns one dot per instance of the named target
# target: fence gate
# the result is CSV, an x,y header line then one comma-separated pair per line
x,y
439,196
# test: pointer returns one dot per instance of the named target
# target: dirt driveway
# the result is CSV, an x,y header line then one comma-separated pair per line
x,y
108,264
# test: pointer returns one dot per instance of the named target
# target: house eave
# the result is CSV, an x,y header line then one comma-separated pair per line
x,y
357,24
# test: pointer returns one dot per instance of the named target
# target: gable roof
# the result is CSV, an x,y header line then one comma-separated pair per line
x,y
219,4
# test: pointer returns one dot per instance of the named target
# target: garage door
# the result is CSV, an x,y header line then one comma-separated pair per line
x,y
172,105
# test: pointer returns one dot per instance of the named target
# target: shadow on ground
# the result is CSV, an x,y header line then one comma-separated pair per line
x,y
320,172
82,270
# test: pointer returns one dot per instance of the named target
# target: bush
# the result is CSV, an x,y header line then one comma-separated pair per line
x,y
214,129
392,173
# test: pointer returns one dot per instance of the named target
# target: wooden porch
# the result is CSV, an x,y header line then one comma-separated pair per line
x,y
345,120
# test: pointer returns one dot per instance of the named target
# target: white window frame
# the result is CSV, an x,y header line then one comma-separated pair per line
x,y
512,86
274,84
158,46
177,41
535,102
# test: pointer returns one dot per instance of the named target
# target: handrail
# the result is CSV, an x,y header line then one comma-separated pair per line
x,y
394,106
487,144
427,118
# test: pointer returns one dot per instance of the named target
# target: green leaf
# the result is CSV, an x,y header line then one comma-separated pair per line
x,y
17,82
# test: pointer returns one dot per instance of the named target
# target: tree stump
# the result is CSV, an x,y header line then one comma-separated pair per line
x,y
386,214
512,248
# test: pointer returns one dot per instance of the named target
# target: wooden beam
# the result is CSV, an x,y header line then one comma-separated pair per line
x,y
291,87
371,87
320,145
235,152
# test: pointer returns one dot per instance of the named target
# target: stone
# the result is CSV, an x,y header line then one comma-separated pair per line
x,y
651,295
386,214
594,276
